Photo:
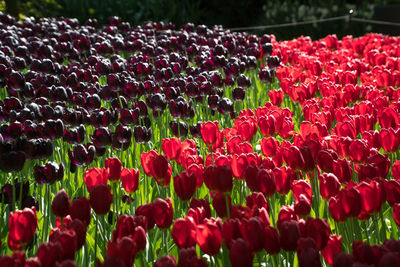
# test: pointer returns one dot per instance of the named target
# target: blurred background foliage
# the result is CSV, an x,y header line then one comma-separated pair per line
x,y
230,14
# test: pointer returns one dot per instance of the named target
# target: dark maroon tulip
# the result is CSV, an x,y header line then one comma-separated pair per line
x,y
100,198
165,261
289,235
48,173
241,254
61,204
185,185
80,209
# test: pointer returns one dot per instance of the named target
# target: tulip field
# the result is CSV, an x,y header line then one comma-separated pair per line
x,y
152,145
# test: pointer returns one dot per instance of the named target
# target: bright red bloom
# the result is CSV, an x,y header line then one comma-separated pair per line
x,y
267,125
22,226
172,148
61,204
276,97
372,196
184,233
286,213
333,247
269,146
257,200
185,185
343,170
260,180
329,185
100,198
201,203
359,150
246,127
302,187
114,167
163,212
390,139
293,158
209,132
95,176
209,237
283,179
241,254
302,205
130,179
156,166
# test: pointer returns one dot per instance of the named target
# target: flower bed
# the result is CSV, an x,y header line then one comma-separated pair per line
x,y
147,145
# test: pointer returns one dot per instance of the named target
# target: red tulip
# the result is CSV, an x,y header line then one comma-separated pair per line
x,y
61,204
163,212
185,185
302,187
68,240
165,261
319,230
100,198
218,178
358,151
267,125
390,139
246,127
333,247
271,240
114,167
49,253
241,254
372,196
276,97
286,213
22,226
392,191
325,160
95,176
252,231
172,148
156,166
80,229
209,238
283,179
184,233
329,185
188,257
396,170
269,146
201,203
293,158
302,206
219,203
343,170
146,211
209,132
80,209
289,235
130,179
257,201
308,253
123,249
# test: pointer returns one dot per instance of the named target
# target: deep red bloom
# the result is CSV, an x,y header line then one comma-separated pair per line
x,y
252,231
197,169
209,237
333,247
100,198
396,170
343,170
165,261
302,205
329,185
392,191
231,231
61,204
114,167
271,240
319,230
95,176
372,196
358,150
185,185
286,213
146,210
80,229
80,209
325,160
163,212
257,201
241,254
219,203
130,179
68,240
21,228
188,257
194,203
289,235
218,178
209,132
123,249
49,253
308,253
246,127
184,233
